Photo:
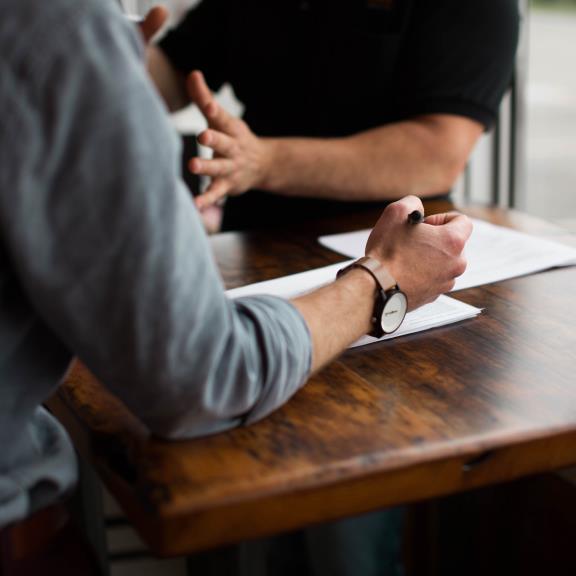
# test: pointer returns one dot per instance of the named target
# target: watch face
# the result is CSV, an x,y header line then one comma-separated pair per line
x,y
394,312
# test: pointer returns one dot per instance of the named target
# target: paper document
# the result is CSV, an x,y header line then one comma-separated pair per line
x,y
494,253
444,311
293,285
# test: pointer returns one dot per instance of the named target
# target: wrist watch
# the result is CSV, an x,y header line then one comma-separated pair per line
x,y
391,303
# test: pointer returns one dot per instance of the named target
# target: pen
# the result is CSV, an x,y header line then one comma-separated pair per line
x,y
415,217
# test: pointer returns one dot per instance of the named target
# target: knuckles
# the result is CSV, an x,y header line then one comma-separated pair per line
x,y
396,209
412,199
454,241
460,266
394,212
234,149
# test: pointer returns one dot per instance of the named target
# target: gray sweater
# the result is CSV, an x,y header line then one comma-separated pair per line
x,y
103,255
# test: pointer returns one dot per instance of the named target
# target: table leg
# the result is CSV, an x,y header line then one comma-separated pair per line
x,y
88,509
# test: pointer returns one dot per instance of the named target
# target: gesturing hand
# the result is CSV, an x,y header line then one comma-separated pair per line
x,y
424,258
240,157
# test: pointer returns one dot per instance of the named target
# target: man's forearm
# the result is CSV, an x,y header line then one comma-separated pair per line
x,y
423,157
338,314
169,82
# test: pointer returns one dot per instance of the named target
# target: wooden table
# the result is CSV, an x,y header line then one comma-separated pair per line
x,y
463,406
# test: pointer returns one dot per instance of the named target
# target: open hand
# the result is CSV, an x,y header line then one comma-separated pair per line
x,y
424,258
240,158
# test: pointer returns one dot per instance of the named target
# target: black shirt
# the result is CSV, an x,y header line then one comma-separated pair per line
x,y
330,68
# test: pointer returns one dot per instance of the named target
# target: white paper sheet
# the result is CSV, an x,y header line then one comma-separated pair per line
x,y
293,285
444,311
494,253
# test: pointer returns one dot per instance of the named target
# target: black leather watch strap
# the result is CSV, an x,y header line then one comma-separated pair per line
x,y
385,283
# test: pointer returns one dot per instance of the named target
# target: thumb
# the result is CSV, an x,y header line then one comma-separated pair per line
x,y
153,22
458,223
441,219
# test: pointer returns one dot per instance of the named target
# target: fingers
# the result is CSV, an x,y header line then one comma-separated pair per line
x,y
456,228
199,91
222,144
396,214
454,223
202,96
405,206
461,225
441,219
213,194
217,167
153,22
460,267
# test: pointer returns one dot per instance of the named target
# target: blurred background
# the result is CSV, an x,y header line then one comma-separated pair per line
x,y
551,106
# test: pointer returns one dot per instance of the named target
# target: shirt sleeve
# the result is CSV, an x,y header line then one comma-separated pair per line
x,y
111,251
196,43
459,57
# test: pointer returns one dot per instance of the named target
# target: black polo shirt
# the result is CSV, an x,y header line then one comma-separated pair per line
x,y
330,68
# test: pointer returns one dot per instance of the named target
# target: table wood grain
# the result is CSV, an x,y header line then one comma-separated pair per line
x,y
463,406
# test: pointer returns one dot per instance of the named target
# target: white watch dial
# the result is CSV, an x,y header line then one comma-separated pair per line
x,y
394,312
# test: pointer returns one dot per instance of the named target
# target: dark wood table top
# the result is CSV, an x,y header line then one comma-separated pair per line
x,y
463,406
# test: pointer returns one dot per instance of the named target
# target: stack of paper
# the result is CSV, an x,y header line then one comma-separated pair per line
x,y
293,285
441,312
444,311
494,253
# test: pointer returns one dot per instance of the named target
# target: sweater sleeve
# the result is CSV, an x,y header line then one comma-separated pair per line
x,y
111,251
